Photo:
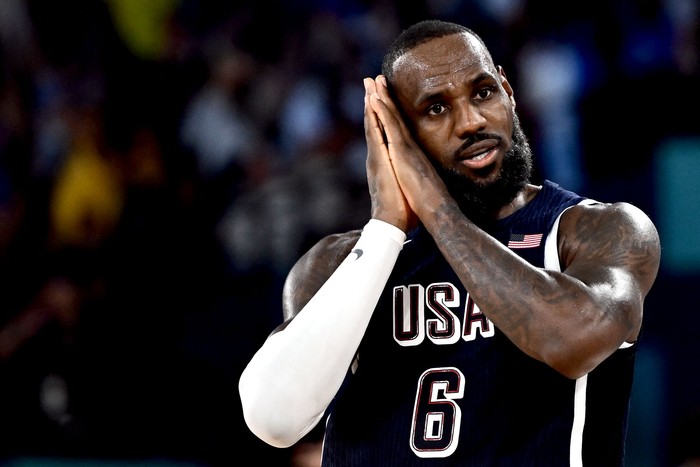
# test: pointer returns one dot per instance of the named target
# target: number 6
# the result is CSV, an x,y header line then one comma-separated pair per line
x,y
436,415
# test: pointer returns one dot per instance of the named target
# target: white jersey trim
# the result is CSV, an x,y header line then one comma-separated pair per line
x,y
552,263
576,446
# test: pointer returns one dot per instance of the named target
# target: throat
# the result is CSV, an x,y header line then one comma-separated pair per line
x,y
521,198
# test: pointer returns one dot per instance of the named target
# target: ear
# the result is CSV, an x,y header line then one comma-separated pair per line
x,y
506,85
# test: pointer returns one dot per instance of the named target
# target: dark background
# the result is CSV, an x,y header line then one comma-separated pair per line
x,y
164,162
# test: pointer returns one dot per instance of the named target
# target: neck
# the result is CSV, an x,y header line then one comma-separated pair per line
x,y
523,197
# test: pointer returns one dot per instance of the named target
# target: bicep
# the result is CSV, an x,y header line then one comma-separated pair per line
x,y
613,250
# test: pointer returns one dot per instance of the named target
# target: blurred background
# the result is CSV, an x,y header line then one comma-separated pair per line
x,y
164,162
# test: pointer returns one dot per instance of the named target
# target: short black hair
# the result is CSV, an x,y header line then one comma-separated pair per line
x,y
417,34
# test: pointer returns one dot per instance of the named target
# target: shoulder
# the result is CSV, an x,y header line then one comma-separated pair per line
x,y
614,234
618,219
327,253
312,270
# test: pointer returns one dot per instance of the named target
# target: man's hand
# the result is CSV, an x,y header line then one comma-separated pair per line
x,y
417,179
388,201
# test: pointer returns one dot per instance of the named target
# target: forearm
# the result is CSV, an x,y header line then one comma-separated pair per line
x,y
553,317
290,381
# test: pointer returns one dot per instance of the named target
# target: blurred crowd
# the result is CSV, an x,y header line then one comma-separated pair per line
x,y
163,163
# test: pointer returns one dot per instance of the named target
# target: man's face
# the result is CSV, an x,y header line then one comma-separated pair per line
x,y
481,201
461,111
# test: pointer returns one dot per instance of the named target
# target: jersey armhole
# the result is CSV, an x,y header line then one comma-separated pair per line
x,y
551,251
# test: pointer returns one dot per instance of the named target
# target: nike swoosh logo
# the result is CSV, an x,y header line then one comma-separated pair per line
x,y
358,252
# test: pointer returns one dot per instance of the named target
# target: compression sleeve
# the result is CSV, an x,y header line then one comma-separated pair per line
x,y
288,384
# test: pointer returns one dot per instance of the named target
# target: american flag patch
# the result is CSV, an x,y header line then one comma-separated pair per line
x,y
525,240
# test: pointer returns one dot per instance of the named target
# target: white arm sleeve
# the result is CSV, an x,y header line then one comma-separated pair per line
x,y
291,380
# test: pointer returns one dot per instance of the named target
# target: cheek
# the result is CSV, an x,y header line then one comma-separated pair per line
x,y
506,114
434,140
434,143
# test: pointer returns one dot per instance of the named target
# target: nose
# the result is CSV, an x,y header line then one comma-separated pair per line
x,y
468,118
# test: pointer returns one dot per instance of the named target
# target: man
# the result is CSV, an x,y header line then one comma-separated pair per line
x,y
477,319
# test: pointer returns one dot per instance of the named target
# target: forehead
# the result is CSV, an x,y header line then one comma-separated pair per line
x,y
439,61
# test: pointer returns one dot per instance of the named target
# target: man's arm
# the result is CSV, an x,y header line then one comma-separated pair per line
x,y
313,269
288,384
571,320
331,294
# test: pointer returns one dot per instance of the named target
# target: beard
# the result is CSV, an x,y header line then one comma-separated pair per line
x,y
481,201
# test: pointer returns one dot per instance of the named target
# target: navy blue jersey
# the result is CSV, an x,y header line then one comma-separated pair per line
x,y
436,383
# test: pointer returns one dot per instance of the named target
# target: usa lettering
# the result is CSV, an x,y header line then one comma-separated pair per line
x,y
434,312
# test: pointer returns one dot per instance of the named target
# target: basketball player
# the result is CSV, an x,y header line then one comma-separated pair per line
x,y
477,319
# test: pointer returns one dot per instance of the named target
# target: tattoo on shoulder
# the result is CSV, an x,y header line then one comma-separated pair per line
x,y
617,233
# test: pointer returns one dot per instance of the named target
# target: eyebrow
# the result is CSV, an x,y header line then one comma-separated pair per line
x,y
483,76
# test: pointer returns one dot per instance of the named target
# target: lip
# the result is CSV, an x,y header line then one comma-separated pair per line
x,y
479,155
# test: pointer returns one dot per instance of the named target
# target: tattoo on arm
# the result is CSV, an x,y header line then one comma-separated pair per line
x,y
609,251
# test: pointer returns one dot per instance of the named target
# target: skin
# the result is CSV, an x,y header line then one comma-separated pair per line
x,y
444,91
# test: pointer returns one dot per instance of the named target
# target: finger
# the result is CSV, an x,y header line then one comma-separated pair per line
x,y
388,113
374,130
382,89
392,127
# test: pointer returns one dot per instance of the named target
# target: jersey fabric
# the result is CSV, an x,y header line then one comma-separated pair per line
x,y
436,383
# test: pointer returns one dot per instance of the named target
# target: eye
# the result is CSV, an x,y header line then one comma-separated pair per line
x,y
484,93
436,109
